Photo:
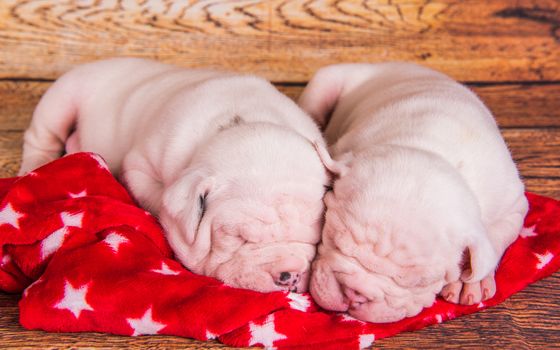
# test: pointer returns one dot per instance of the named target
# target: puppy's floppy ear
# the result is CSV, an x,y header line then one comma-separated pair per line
x,y
339,167
483,258
185,199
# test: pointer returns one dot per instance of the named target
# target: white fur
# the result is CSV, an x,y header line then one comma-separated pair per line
x,y
176,136
424,177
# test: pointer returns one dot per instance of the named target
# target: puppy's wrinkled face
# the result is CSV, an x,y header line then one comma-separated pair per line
x,y
249,211
378,270
264,245
387,249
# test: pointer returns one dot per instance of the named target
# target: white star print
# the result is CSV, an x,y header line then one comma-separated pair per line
x,y
299,301
348,318
528,232
53,242
210,335
480,305
544,259
265,334
77,195
145,325
9,216
100,161
165,270
69,219
439,318
366,340
114,240
74,300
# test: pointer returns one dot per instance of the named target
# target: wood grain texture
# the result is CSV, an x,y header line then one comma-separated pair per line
x,y
528,320
530,116
14,336
286,40
507,51
513,105
10,152
536,152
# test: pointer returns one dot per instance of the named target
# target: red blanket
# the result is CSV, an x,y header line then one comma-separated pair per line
x,y
88,259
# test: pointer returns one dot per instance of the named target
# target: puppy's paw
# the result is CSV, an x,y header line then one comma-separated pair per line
x,y
462,293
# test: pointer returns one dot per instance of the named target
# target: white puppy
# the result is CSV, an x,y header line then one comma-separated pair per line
x,y
225,160
427,194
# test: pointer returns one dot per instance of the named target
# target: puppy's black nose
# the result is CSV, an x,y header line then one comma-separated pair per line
x,y
285,276
288,280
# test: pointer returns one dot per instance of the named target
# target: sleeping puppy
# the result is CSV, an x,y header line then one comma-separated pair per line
x,y
225,161
427,195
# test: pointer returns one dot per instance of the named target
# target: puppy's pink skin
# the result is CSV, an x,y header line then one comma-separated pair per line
x,y
423,175
177,135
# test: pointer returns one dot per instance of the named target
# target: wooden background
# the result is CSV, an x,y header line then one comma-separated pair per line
x,y
507,51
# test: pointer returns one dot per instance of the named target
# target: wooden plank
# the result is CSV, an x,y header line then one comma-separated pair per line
x,y
522,105
475,41
18,99
514,105
536,152
528,320
286,40
10,152
14,336
549,187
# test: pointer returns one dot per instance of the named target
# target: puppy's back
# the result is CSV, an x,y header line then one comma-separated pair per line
x,y
413,106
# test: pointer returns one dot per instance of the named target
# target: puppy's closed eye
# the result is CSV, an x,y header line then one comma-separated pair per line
x,y
202,205
201,208
328,188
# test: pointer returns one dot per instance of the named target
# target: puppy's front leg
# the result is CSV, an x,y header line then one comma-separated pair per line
x,y
141,180
501,233
460,292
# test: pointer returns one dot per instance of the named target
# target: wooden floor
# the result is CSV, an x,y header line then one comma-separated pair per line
x,y
507,51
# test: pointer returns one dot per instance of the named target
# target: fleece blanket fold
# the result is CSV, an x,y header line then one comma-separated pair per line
x,y
88,259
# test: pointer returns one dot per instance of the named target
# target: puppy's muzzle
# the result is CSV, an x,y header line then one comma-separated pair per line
x,y
353,298
288,279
